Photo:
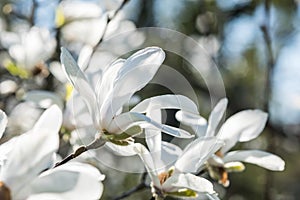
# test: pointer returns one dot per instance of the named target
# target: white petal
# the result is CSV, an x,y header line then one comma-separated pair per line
x,y
70,181
32,152
153,137
196,153
85,56
243,126
189,181
216,116
169,155
76,114
107,83
195,121
121,150
80,83
57,71
168,101
44,99
3,122
80,10
257,157
136,72
148,162
126,120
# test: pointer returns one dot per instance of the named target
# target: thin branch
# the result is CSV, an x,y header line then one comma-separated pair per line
x,y
78,152
98,142
32,16
265,28
109,19
142,185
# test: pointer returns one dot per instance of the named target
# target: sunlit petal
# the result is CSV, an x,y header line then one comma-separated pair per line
x,y
107,83
32,152
167,102
69,181
126,120
80,83
148,162
243,126
257,157
195,121
136,72
216,116
196,153
189,181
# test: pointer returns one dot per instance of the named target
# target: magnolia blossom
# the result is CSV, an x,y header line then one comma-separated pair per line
x,y
30,48
241,127
116,86
170,168
26,158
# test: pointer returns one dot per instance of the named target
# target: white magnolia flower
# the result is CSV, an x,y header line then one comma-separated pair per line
x,y
116,86
241,127
26,157
75,17
170,168
32,48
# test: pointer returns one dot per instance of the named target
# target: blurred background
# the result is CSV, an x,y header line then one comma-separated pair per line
x,y
254,44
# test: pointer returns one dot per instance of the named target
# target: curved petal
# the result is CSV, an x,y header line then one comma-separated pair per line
x,y
168,101
84,56
80,83
216,116
257,157
195,121
126,120
3,122
152,136
196,153
70,181
169,155
189,181
107,82
148,162
136,72
76,114
243,126
33,151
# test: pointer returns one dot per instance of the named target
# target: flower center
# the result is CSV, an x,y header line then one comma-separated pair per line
x,y
4,192
163,177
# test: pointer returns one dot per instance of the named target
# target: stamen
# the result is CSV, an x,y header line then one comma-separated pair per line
x,y
163,177
4,192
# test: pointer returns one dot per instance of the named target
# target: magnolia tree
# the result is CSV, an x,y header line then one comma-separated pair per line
x,y
74,121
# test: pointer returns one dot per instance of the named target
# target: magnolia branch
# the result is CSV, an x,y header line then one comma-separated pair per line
x,y
109,19
265,28
98,142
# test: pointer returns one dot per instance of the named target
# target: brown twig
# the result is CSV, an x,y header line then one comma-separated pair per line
x,y
98,142
109,19
265,28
